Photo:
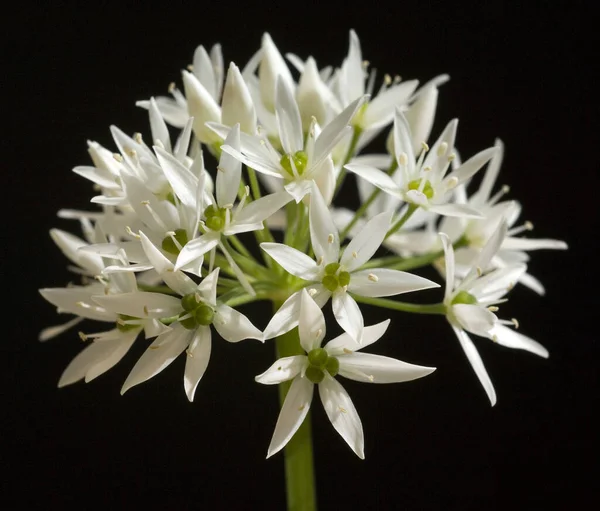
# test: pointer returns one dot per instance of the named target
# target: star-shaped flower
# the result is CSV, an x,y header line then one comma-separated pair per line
x,y
320,366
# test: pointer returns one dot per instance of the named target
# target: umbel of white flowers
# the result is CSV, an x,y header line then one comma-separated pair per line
x,y
160,258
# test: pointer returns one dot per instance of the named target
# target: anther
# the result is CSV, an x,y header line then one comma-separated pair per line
x,y
312,292
403,159
131,152
452,183
354,254
138,137
131,233
442,149
189,353
372,277
320,261
397,79
190,67
492,308
452,157
479,271
82,336
528,226
387,79
424,146
171,87
319,332
515,322
330,238
365,64
117,157
347,351
341,409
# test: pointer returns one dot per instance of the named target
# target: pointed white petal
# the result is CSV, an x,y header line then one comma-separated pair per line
x,y
229,171
298,189
421,114
384,282
342,414
362,247
380,110
160,354
282,370
203,70
476,363
272,66
196,248
311,323
292,415
198,356
141,304
202,107
348,315
472,165
344,343
375,177
324,236
491,174
237,105
98,176
368,368
260,165
171,111
508,337
53,331
532,244
183,182
288,118
233,326
474,318
458,210
78,301
403,141
285,318
158,126
261,209
448,265
293,261
70,246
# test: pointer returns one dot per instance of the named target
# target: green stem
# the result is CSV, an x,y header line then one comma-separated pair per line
x,y
299,466
166,290
411,209
436,308
341,176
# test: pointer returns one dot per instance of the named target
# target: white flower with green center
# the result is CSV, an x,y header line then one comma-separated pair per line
x,y
195,310
470,305
422,181
337,274
320,366
220,217
476,232
303,161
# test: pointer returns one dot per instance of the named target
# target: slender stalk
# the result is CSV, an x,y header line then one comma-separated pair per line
x,y
299,466
341,176
411,209
436,308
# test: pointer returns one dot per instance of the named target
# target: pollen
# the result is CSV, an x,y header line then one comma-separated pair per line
x,y
189,353
312,292
387,79
403,159
171,87
300,408
138,137
347,351
424,146
373,278
343,410
492,308
330,238
442,149
118,157
354,254
82,336
515,322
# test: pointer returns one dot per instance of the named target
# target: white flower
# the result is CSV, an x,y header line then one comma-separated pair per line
x,y
422,181
336,274
320,366
471,304
195,311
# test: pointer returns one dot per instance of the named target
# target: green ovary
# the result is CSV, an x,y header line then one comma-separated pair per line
x,y
427,189
319,362
215,218
464,297
333,281
300,159
168,245
195,312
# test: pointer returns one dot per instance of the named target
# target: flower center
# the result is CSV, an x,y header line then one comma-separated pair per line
x,y
195,312
427,190
299,158
173,243
319,362
334,278
215,217
464,297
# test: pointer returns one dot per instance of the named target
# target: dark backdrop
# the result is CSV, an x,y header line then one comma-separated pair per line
x,y
519,73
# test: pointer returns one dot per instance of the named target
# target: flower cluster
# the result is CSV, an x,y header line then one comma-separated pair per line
x,y
169,254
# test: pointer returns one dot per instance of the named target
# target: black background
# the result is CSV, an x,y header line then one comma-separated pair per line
x,y
519,73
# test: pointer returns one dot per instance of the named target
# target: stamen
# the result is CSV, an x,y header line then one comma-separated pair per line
x,y
138,138
373,278
312,291
442,149
348,352
82,336
118,157
424,146
365,64
515,322
319,332
330,238
190,67
397,79
403,159
320,261
341,409
493,308
171,87
451,158
503,191
527,226
387,79
354,254
452,183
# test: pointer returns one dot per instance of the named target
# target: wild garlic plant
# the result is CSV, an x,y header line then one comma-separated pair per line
x,y
177,245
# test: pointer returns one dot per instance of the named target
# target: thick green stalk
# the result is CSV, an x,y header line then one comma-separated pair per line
x,y
299,466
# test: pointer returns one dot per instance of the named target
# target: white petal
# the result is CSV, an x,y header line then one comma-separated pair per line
x,y
474,318
202,107
182,181
141,304
490,249
342,414
384,282
472,165
403,140
506,336
299,188
458,210
160,354
311,323
78,301
229,170
261,209
375,177
272,66
158,126
207,289
292,415
344,342
282,370
70,245
97,358
53,331
203,70
101,177
448,265
288,118
476,363
198,355
260,165
380,110
285,318
491,174
233,326
497,283
237,105
369,368
172,112
293,261
421,114
532,244
196,248
324,236
366,242
348,315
